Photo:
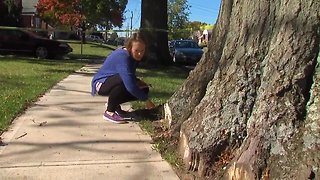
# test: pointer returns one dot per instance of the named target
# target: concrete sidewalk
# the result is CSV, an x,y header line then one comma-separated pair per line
x,y
63,136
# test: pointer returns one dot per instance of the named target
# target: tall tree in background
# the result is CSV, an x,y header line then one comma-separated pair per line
x,y
251,107
10,11
196,25
74,12
56,12
178,19
106,14
154,25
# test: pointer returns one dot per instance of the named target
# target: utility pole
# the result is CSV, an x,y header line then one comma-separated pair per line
x,y
127,31
131,23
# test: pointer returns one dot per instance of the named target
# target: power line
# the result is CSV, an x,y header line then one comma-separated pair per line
x,y
203,7
199,12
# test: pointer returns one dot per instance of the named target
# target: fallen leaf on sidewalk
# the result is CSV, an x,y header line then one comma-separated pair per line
x,y
43,123
2,143
39,124
24,134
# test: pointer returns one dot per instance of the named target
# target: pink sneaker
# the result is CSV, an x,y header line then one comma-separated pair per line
x,y
115,118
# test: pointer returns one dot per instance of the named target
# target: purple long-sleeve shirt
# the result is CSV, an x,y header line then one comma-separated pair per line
x,y
119,62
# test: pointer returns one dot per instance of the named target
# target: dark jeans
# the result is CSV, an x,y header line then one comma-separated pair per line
x,y
117,92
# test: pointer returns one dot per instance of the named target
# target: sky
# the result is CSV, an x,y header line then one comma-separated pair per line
x,y
201,10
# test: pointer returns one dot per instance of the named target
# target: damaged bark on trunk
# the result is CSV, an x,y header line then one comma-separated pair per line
x,y
250,108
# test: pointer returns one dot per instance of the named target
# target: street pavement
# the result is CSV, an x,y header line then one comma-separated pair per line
x,y
63,136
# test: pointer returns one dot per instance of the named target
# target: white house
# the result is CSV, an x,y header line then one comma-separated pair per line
x,y
204,36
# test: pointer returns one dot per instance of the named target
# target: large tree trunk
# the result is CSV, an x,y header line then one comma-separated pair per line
x,y
154,25
250,108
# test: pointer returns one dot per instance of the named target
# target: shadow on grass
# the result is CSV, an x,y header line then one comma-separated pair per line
x,y
83,57
179,72
69,58
147,114
30,59
94,45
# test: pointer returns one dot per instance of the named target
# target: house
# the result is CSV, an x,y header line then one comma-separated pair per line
x,y
204,37
29,16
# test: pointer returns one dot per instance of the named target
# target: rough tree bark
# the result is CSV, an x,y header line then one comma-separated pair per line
x,y
154,25
250,108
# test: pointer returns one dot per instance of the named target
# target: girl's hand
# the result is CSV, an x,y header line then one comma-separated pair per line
x,y
149,104
141,84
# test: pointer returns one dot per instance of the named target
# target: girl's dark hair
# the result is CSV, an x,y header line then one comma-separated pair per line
x,y
135,37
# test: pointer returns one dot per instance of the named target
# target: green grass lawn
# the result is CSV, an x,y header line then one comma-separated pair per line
x,y
164,82
89,50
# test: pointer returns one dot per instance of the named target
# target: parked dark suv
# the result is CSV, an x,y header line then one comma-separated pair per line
x,y
23,41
